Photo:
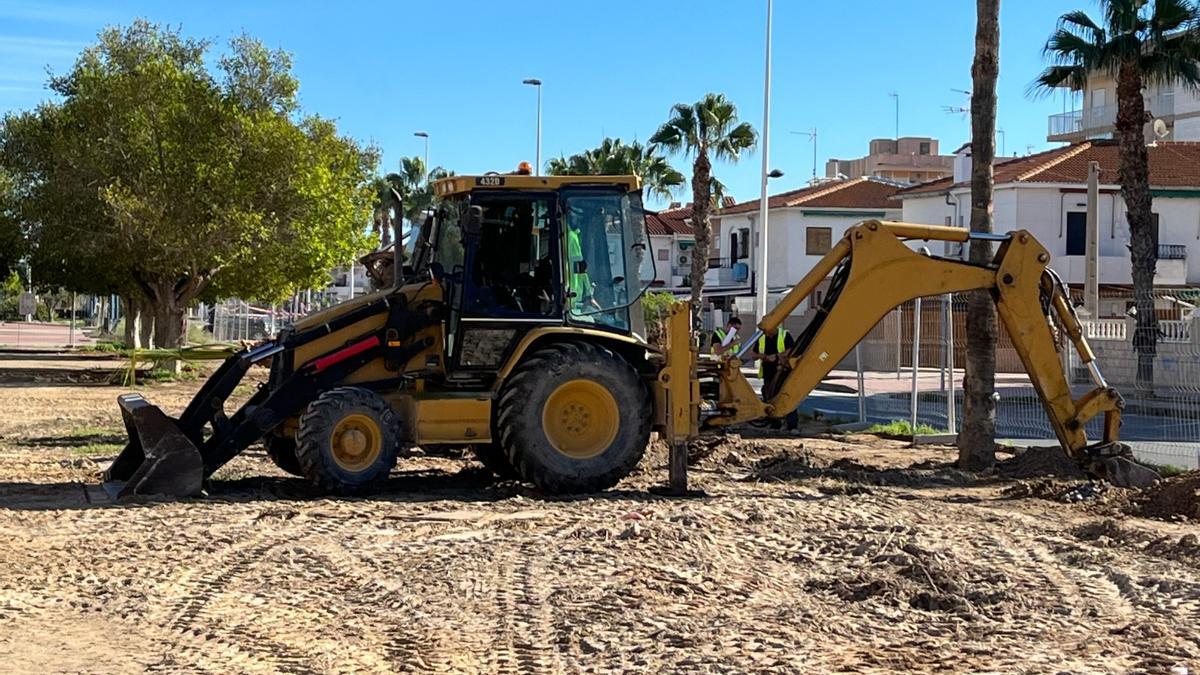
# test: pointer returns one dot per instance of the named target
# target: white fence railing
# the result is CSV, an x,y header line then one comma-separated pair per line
x,y
1175,331
1105,329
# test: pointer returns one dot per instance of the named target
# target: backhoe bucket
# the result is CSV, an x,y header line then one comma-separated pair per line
x,y
159,458
1114,463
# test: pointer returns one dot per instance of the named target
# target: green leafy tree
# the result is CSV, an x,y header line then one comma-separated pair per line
x,y
163,178
615,158
704,130
12,242
1141,42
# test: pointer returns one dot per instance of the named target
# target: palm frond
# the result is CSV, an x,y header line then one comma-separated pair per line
x,y
1169,16
1079,22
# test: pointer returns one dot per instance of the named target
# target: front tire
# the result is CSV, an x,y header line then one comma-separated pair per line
x,y
574,417
348,440
282,451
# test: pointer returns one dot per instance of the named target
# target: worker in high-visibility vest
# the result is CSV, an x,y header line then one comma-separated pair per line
x,y
579,283
770,351
725,339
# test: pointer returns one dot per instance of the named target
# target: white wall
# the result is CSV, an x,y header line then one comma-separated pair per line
x,y
1187,129
1043,211
662,268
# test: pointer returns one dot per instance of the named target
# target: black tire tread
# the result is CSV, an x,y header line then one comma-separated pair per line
x,y
323,413
519,419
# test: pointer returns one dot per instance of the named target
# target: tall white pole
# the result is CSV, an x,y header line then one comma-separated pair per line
x,y
535,82
760,301
537,168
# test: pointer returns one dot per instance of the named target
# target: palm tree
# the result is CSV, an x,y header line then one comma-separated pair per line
x,y
977,442
707,127
615,158
1141,42
415,187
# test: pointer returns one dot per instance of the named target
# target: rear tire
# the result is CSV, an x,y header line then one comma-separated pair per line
x,y
348,440
282,451
574,417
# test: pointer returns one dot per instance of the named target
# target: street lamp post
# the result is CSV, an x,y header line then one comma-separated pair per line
x,y
533,81
760,296
425,135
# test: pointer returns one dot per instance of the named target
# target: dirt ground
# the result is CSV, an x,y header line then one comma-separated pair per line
x,y
823,554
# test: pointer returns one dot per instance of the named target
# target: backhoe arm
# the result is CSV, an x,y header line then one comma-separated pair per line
x,y
874,272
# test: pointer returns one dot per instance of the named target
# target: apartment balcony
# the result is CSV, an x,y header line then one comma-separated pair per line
x,y
723,272
1100,121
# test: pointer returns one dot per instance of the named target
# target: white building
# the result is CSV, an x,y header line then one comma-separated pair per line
x,y
803,225
672,242
1177,106
1046,193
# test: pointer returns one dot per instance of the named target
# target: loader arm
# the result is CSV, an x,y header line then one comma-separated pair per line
x,y
874,272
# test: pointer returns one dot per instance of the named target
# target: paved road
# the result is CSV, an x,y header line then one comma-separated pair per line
x,y
1170,438
37,334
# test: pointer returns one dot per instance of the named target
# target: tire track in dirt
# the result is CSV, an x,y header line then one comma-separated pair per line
x,y
187,619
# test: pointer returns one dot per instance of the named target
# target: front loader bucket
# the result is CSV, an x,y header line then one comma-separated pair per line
x,y
159,458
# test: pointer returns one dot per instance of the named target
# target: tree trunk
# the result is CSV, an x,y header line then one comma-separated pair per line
x,y
977,441
701,205
1134,176
145,324
131,321
169,325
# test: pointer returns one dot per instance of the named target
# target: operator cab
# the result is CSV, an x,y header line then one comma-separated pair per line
x,y
516,252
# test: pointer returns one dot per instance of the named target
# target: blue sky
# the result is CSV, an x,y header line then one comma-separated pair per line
x,y
387,69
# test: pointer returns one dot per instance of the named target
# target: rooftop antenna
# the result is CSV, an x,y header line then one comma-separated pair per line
x,y
958,109
896,96
1003,141
812,136
1160,129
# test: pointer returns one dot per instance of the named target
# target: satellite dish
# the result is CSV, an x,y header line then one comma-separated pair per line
x,y
1160,128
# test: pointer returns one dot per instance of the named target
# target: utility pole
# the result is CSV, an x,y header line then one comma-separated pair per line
x,y
1091,280
760,298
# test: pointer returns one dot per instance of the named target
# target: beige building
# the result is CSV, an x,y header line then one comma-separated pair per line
x,y
911,159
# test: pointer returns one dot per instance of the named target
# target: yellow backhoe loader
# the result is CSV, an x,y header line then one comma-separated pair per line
x,y
513,326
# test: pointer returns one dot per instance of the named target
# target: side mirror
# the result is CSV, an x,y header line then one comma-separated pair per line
x,y
473,224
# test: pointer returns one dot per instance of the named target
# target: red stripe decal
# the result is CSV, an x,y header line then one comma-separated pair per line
x,y
345,353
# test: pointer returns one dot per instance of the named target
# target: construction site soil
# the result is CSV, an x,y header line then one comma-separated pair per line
x,y
822,553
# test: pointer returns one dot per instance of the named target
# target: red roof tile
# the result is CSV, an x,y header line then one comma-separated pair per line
x,y
856,193
669,222
1172,164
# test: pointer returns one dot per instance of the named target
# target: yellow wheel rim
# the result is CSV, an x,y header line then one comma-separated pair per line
x,y
357,442
581,419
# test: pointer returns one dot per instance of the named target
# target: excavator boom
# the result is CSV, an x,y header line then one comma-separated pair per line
x,y
874,271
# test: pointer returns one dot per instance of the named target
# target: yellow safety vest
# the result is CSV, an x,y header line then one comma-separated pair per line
x,y
580,283
780,338
734,347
